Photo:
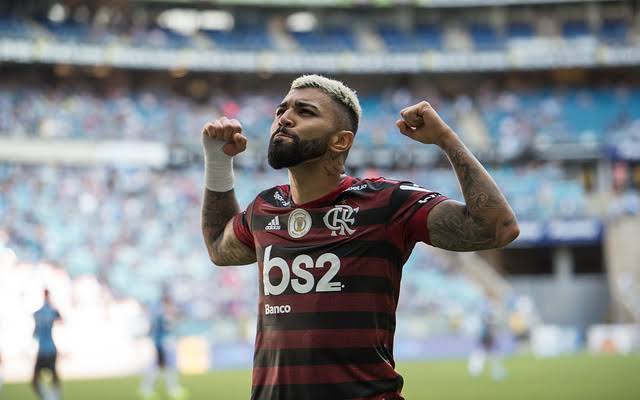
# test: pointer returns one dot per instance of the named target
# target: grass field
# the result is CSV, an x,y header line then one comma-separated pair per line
x,y
576,377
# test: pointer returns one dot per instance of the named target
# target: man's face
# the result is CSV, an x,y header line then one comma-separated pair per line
x,y
301,129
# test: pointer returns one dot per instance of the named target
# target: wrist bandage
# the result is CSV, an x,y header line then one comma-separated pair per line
x,y
218,167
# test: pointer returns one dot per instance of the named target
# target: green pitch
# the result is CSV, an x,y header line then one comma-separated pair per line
x,y
578,377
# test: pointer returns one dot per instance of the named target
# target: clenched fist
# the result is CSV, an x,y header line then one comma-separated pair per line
x,y
225,133
422,123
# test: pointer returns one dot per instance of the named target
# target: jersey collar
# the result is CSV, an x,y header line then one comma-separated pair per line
x,y
327,198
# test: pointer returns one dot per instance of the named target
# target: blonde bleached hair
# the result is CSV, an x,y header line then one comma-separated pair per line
x,y
337,90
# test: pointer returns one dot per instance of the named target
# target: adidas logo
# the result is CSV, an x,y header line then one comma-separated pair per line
x,y
274,224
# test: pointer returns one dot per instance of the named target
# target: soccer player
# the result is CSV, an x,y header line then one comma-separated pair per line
x,y
163,317
1,375
487,349
45,317
330,247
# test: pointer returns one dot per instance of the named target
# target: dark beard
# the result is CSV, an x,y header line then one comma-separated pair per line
x,y
285,153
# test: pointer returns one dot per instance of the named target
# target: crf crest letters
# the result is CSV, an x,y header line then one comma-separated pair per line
x,y
340,219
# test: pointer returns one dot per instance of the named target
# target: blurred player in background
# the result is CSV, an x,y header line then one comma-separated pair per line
x,y
163,316
487,348
1,376
1,372
45,317
330,247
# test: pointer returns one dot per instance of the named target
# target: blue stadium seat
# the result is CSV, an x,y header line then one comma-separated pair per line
x,y
242,37
614,32
14,28
160,37
429,36
176,39
575,28
76,32
398,40
485,37
69,31
632,106
327,40
520,30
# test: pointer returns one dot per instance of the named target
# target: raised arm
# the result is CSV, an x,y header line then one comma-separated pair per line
x,y
221,140
485,220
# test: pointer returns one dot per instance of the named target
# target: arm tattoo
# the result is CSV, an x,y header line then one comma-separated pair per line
x,y
218,208
452,228
480,222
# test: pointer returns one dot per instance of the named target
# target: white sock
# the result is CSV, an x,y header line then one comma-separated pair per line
x,y
149,380
498,371
42,390
476,362
47,393
54,393
171,380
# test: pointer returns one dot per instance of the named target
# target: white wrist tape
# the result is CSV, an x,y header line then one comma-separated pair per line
x,y
218,167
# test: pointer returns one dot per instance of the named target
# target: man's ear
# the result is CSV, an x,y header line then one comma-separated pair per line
x,y
341,141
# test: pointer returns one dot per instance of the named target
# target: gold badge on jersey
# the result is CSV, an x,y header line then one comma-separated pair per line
x,y
299,223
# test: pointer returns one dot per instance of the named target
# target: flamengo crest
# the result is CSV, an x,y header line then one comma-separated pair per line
x,y
339,219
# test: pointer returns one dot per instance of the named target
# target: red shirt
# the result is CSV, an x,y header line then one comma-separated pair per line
x,y
329,279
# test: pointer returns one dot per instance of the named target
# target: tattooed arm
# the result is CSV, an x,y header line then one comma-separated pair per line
x,y
221,141
218,210
485,220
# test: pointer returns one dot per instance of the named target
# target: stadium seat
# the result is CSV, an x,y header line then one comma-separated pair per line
x,y
69,31
429,36
176,39
614,32
575,28
520,30
11,27
485,37
398,40
330,39
242,37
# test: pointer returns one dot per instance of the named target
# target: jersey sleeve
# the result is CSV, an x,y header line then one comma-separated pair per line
x,y
242,227
410,206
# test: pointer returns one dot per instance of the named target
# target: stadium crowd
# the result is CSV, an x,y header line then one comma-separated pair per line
x,y
509,121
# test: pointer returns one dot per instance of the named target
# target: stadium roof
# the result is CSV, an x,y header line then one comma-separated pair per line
x,y
368,3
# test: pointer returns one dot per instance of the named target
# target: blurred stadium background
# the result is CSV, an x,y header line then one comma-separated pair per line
x,y
101,109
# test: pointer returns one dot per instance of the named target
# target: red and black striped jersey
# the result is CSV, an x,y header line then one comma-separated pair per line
x,y
329,279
